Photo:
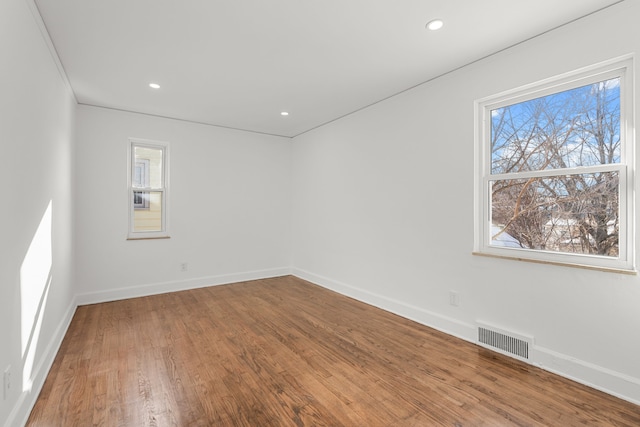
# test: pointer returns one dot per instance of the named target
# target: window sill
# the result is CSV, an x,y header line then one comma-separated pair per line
x,y
148,237
563,264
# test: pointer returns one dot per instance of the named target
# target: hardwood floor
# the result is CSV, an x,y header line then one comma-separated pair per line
x,y
284,352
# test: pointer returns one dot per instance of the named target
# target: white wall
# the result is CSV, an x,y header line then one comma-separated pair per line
x,y
36,229
383,211
229,207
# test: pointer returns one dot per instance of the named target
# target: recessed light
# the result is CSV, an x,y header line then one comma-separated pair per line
x,y
436,24
284,113
154,85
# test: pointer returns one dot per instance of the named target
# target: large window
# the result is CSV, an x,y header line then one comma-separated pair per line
x,y
554,170
148,192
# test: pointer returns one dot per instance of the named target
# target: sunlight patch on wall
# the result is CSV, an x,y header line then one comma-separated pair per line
x,y
35,279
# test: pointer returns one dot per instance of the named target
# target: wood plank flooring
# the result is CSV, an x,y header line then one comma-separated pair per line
x,y
284,352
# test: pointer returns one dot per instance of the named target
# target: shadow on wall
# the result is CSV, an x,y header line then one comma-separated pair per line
x,y
35,282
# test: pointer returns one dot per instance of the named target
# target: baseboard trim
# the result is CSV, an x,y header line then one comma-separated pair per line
x,y
606,380
27,399
177,285
428,318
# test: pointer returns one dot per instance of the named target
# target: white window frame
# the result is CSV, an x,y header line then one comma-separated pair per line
x,y
625,262
163,188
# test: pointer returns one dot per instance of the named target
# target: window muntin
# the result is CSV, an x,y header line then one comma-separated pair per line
x,y
147,189
554,171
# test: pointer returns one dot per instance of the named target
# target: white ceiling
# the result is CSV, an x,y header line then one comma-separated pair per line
x,y
239,63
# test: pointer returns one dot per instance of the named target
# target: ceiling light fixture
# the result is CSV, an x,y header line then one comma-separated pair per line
x,y
154,85
284,113
435,24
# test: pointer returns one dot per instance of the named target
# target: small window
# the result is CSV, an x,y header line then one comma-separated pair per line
x,y
554,171
148,191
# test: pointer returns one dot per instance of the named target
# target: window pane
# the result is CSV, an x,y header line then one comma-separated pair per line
x,y
148,218
577,127
140,200
141,173
148,167
569,213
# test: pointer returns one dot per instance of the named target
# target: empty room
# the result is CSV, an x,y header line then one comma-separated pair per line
x,y
319,213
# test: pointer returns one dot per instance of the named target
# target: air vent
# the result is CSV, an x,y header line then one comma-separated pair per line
x,y
505,342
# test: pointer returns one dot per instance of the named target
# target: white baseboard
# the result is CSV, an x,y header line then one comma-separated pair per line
x,y
27,399
442,323
611,382
606,380
177,285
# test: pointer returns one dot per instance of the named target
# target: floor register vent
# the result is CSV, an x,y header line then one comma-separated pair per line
x,y
505,342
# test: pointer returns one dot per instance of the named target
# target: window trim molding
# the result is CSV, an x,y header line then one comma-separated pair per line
x,y
147,235
622,67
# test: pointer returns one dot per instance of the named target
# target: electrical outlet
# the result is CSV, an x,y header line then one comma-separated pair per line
x,y
184,266
6,382
454,298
